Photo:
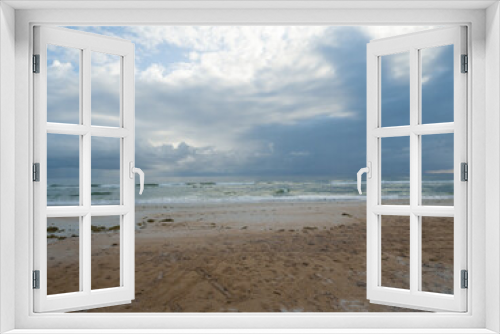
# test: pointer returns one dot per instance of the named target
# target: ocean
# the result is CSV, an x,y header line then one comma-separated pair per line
x,y
253,191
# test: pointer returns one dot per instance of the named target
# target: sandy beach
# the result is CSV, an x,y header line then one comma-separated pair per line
x,y
255,257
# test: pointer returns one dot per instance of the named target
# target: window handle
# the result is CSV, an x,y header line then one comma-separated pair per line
x,y
368,171
133,170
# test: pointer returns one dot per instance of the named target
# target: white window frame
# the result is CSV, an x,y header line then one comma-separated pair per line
x,y
484,24
86,44
412,44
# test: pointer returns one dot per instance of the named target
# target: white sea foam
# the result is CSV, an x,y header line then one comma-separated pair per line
x,y
245,191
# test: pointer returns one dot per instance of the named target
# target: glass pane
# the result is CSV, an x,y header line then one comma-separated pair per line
x,y
395,89
105,171
105,252
106,71
63,166
437,84
395,234
63,255
395,167
63,84
437,254
437,169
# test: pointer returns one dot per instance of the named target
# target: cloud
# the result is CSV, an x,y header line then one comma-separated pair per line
x,y
236,78
236,55
105,89
63,85
186,160
59,69
244,100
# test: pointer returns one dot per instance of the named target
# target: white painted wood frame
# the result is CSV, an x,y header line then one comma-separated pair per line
x,y
413,44
87,43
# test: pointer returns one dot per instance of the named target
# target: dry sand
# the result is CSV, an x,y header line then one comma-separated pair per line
x,y
259,257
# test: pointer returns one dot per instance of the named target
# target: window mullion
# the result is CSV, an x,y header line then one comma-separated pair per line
x,y
414,171
81,183
85,167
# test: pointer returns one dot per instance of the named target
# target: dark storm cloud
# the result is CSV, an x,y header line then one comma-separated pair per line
x,y
324,146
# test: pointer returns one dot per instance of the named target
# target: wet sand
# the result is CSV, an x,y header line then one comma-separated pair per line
x,y
256,257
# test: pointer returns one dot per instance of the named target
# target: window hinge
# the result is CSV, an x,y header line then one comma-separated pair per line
x,y
36,63
36,279
465,64
464,170
465,279
36,172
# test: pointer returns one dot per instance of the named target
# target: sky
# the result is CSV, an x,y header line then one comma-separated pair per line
x,y
250,102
